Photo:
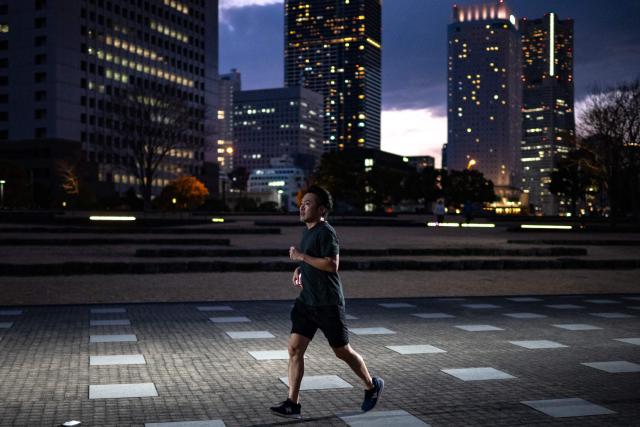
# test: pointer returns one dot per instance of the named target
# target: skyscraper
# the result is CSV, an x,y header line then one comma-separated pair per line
x,y
547,113
333,47
222,153
277,125
65,62
485,93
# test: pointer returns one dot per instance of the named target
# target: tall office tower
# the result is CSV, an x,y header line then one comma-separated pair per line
x,y
334,48
222,153
64,63
277,125
485,94
548,124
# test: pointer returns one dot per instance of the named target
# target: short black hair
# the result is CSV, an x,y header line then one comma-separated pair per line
x,y
324,197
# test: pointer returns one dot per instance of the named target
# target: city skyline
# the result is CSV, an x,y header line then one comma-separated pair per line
x,y
414,97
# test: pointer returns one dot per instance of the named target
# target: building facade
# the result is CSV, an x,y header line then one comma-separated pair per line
x,y
334,48
283,184
222,153
271,123
548,123
64,64
485,94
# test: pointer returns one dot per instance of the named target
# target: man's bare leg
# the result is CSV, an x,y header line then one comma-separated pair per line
x,y
297,347
355,362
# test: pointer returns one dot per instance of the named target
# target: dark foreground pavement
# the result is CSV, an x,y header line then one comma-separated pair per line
x,y
183,366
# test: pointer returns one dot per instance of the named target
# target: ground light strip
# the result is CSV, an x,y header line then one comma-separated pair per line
x,y
112,218
455,224
217,219
547,227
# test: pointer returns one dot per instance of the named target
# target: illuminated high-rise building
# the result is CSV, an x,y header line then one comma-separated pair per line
x,y
485,94
333,47
277,127
548,123
64,64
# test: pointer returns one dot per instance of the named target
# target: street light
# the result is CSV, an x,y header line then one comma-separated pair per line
x,y
2,182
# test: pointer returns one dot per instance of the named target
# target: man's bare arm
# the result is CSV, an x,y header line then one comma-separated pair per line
x,y
328,264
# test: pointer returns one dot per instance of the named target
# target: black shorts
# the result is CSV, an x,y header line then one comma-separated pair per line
x,y
331,320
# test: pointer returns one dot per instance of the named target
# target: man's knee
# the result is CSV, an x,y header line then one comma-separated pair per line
x,y
343,353
295,351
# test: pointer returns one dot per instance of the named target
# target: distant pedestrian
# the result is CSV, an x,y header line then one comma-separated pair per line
x,y
320,304
439,211
467,211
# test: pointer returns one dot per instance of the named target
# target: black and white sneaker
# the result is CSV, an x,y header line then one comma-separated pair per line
x,y
287,409
371,396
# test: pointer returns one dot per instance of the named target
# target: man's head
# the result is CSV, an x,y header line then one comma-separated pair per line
x,y
316,204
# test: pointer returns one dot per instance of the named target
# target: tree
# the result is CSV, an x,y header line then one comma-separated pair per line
x,y
17,188
425,186
239,178
610,127
344,177
186,192
575,174
467,186
153,124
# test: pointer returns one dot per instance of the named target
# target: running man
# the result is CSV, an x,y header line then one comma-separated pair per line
x,y
320,304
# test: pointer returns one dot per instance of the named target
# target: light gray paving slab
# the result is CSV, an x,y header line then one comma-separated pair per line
x,y
6,325
10,312
350,317
396,305
320,382
215,308
433,315
371,331
108,310
117,391
577,327
564,306
270,354
481,306
632,298
613,315
241,335
615,366
635,341
415,349
208,423
478,374
120,359
230,319
634,307
110,322
451,299
525,315
561,408
602,301
524,299
398,418
113,338
538,344
479,328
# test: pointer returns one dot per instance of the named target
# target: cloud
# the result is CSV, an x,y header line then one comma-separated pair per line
x,y
236,4
414,132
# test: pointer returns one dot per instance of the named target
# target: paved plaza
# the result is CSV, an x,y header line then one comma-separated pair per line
x,y
499,361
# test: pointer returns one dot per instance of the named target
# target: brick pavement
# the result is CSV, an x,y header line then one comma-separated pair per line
x,y
201,373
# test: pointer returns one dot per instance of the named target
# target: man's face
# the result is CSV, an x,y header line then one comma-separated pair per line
x,y
310,210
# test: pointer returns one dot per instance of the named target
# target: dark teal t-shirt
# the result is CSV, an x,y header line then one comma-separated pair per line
x,y
320,287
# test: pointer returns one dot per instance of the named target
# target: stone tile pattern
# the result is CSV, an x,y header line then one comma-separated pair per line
x,y
200,373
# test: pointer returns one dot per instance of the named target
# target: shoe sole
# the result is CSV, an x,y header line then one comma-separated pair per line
x,y
292,416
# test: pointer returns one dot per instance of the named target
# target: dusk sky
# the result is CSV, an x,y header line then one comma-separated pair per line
x,y
606,44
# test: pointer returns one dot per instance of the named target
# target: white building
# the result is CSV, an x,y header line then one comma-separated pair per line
x,y
283,182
